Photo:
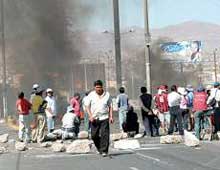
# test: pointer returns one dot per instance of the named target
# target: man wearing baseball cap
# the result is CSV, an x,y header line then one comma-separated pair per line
x,y
51,110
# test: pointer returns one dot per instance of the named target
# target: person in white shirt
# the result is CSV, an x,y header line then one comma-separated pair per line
x,y
70,123
183,107
215,94
86,116
174,100
50,110
99,108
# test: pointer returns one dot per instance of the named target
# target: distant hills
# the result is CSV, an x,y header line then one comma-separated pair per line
x,y
133,38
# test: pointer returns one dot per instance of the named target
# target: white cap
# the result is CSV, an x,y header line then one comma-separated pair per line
x,y
35,86
49,90
182,90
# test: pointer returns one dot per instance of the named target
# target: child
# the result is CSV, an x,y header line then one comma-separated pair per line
x,y
23,106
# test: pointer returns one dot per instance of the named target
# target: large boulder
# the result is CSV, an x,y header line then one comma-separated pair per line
x,y
20,146
58,147
118,136
83,135
127,144
171,139
4,138
46,144
3,150
51,137
79,146
58,133
190,139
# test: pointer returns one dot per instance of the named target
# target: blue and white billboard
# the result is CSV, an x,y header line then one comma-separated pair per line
x,y
183,51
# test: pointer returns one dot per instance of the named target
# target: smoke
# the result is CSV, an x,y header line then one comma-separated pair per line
x,y
39,41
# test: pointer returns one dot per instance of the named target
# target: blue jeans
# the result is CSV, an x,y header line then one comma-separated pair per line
x,y
50,124
122,112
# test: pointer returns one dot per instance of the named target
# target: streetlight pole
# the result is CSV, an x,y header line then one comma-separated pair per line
x,y
215,66
4,92
147,47
117,42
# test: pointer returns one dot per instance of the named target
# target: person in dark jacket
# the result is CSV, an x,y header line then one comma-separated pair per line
x,y
146,111
131,124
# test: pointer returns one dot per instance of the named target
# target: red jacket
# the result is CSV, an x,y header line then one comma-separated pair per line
x,y
23,106
199,101
161,102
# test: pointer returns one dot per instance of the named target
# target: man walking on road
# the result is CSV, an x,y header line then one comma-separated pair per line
x,y
99,108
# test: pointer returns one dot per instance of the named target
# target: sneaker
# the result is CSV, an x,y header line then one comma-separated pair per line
x,y
104,154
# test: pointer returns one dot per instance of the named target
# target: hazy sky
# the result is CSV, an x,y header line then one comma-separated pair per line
x,y
162,12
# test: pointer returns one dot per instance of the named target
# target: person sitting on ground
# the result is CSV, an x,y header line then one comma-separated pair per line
x,y
131,124
70,124
23,107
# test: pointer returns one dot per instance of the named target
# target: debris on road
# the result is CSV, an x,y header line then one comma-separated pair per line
x,y
20,146
4,138
190,139
118,136
171,139
127,144
79,146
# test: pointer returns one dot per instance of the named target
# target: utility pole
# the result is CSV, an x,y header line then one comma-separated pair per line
x,y
117,43
4,88
147,47
215,66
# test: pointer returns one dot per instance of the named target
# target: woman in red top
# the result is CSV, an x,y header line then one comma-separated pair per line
x,y
199,107
23,106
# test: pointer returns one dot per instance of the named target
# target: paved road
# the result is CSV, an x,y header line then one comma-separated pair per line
x,y
149,157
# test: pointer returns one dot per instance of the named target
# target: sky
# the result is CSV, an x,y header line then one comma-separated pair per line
x,y
162,12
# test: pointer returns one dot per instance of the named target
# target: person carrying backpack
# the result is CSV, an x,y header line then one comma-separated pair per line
x,y
38,108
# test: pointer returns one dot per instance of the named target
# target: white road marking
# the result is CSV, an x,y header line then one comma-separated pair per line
x,y
62,155
133,168
153,158
148,157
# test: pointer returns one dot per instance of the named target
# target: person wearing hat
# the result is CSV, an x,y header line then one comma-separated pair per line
x,y
161,105
122,102
50,110
200,108
70,124
34,89
38,109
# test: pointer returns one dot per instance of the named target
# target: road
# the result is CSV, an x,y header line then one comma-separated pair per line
x,y
151,156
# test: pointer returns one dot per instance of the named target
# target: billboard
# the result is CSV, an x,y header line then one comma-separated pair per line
x,y
182,51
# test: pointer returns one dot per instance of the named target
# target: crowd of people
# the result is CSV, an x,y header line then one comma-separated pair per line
x,y
183,108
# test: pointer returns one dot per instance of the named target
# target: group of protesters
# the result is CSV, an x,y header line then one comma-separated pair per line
x,y
183,108
43,112
180,109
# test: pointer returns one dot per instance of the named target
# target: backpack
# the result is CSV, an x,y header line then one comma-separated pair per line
x,y
42,107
